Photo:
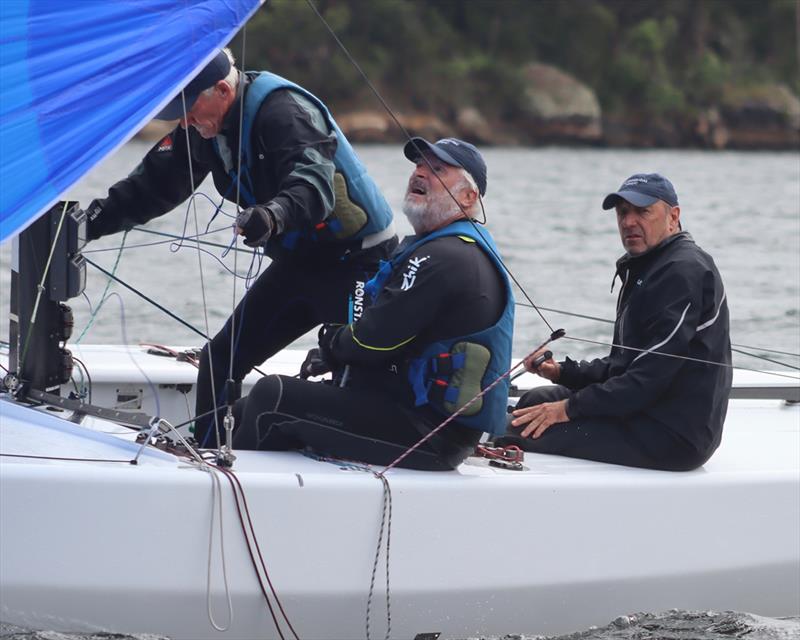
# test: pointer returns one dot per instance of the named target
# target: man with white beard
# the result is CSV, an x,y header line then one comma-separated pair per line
x,y
435,332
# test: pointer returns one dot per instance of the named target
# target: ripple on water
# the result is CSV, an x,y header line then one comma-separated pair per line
x,y
672,625
684,625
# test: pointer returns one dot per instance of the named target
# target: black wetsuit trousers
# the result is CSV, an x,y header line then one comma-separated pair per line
x,y
289,299
282,413
638,441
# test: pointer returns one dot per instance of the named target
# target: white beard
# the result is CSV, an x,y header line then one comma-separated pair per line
x,y
429,213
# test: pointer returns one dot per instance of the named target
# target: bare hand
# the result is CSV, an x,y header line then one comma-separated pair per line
x,y
549,369
539,417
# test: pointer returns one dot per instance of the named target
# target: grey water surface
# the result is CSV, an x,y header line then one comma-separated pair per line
x,y
543,207
671,625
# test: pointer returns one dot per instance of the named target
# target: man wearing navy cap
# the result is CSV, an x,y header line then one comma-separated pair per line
x,y
659,399
437,332
302,194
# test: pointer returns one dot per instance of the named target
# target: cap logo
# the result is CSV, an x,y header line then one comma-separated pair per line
x,y
449,141
632,181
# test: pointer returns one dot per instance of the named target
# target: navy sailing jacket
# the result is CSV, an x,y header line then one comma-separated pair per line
x,y
672,301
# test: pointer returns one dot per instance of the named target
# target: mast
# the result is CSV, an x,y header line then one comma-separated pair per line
x,y
47,269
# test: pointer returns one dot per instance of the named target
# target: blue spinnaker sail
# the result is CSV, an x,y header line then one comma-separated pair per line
x,y
80,77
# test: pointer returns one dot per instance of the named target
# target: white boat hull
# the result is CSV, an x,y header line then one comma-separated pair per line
x,y
562,545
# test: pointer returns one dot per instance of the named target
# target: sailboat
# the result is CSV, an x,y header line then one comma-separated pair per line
x,y
109,522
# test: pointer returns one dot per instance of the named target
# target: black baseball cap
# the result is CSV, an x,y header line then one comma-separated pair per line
x,y
213,72
454,152
642,190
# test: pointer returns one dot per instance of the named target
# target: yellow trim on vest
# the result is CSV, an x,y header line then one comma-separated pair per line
x,y
466,238
366,346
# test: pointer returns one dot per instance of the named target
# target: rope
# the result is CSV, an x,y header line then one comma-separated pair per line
x,y
247,524
216,497
104,297
559,333
386,523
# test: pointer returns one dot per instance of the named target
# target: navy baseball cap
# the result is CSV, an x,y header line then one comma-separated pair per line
x,y
454,152
213,72
642,190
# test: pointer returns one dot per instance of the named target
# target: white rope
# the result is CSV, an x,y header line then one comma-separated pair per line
x,y
216,505
200,264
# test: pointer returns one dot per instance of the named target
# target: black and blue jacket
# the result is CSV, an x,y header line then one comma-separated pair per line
x,y
439,329
294,158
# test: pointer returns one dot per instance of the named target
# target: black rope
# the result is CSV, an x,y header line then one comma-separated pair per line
x,y
386,523
88,376
148,299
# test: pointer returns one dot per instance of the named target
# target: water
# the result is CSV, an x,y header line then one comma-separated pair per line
x,y
672,625
544,210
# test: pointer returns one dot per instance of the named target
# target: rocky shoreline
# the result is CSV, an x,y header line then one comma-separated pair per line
x,y
557,109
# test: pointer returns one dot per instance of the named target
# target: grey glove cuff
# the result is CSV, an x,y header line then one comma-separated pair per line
x,y
278,217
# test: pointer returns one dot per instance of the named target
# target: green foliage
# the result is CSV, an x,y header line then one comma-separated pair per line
x,y
657,57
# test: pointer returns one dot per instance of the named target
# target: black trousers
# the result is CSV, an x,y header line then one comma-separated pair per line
x,y
282,413
635,442
289,299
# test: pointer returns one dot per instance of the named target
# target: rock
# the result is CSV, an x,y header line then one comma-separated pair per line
x,y
375,126
473,126
428,126
365,126
761,117
558,107
710,130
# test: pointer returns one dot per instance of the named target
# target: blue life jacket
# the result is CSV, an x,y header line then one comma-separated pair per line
x,y
449,373
359,210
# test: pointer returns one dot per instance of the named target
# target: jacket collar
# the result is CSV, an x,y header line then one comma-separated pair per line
x,y
628,261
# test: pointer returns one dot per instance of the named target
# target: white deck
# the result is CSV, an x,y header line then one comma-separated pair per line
x,y
562,545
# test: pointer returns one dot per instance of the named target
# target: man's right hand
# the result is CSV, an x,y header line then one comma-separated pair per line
x,y
314,365
92,211
549,369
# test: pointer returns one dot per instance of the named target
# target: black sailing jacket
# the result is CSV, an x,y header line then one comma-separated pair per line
x,y
292,168
672,302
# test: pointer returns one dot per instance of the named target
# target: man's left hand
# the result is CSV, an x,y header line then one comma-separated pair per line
x,y
256,224
540,417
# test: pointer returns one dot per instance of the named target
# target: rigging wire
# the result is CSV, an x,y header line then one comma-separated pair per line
x,y
104,297
677,357
389,111
609,321
434,173
193,206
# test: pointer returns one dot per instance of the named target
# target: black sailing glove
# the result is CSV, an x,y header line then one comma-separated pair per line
x,y
314,365
320,360
93,211
256,224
